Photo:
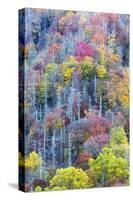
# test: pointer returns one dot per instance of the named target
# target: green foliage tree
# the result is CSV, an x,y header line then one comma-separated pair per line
x,y
102,54
121,150
44,86
108,169
38,189
118,136
119,142
88,67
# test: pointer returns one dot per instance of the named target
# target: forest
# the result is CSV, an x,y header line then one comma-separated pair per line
x,y
73,100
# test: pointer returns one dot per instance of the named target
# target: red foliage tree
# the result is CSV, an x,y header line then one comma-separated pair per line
x,y
94,144
40,182
83,49
82,160
83,157
98,124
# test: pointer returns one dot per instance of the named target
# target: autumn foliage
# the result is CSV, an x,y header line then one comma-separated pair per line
x,y
74,100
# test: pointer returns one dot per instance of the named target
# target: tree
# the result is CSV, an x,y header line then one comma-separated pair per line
x,y
87,67
54,49
21,160
119,143
121,150
98,124
38,189
83,49
82,160
68,67
117,87
44,87
55,119
32,161
70,178
94,144
102,54
108,169
99,37
118,136
112,59
101,72
40,182
68,22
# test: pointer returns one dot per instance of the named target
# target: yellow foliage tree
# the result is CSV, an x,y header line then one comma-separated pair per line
x,y
33,161
70,178
102,54
21,160
114,57
68,68
118,87
87,67
101,72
